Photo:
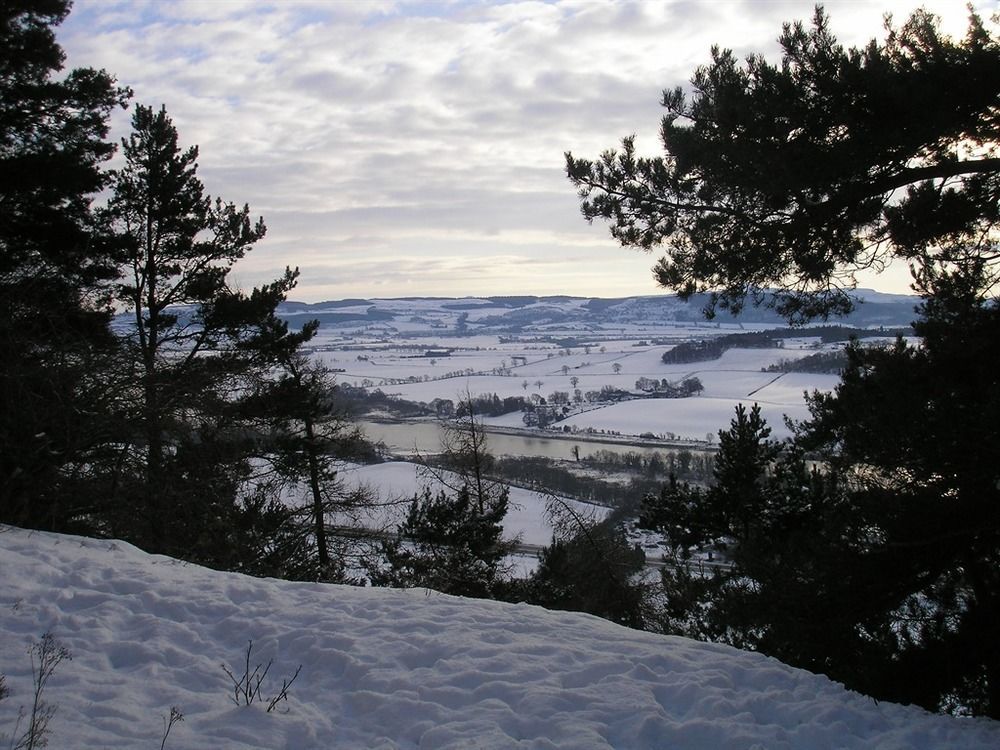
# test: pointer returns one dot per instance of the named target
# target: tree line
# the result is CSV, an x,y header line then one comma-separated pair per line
x,y
709,349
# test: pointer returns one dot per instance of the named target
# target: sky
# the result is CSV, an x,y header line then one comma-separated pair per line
x,y
399,148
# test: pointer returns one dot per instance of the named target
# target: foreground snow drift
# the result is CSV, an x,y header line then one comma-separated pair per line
x,y
395,669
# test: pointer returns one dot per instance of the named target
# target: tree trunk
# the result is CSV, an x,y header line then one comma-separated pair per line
x,y
317,497
151,402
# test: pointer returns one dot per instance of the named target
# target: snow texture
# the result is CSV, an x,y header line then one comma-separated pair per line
x,y
396,669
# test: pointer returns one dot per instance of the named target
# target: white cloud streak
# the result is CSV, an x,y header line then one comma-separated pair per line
x,y
417,147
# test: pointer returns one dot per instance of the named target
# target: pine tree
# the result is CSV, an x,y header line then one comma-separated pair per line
x,y
913,429
592,570
309,435
466,458
448,543
737,497
879,570
195,343
678,511
55,345
797,174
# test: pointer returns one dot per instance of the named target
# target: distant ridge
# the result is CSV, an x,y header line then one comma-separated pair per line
x,y
506,313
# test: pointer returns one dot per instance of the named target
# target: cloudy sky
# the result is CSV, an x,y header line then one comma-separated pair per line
x,y
416,148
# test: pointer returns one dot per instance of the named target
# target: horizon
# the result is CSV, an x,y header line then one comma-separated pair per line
x,y
660,293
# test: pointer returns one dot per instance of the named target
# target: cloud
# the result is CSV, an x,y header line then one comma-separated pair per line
x,y
410,129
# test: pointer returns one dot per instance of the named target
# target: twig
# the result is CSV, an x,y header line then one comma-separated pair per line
x,y
168,723
248,688
283,694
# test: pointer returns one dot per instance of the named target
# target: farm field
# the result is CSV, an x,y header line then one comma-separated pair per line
x,y
401,480
427,353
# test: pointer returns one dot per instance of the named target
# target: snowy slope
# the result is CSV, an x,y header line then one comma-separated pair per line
x,y
396,669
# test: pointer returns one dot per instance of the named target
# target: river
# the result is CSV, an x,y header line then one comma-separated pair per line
x,y
425,437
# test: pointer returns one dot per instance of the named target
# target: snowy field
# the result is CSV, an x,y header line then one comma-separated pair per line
x,y
695,418
419,353
526,518
734,378
396,669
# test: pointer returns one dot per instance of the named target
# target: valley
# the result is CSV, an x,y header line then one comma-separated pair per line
x,y
568,390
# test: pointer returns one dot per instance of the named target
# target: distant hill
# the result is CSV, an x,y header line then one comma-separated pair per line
x,y
511,314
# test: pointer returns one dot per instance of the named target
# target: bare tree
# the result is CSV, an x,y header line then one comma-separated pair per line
x,y
465,454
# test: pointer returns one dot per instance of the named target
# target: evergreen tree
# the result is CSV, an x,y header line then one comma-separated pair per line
x,y
309,436
592,570
449,544
780,586
737,498
678,512
466,457
452,539
914,429
795,175
195,346
56,380
879,570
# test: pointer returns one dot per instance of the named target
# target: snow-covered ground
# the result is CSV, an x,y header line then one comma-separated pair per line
x,y
421,350
526,517
395,669
689,418
736,377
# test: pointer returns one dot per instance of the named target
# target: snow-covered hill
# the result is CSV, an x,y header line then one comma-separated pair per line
x,y
538,314
395,669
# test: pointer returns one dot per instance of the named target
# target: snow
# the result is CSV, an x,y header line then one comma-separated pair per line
x,y
688,418
526,518
395,669
736,377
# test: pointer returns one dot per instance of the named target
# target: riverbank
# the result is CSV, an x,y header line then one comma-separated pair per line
x,y
603,437
613,440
